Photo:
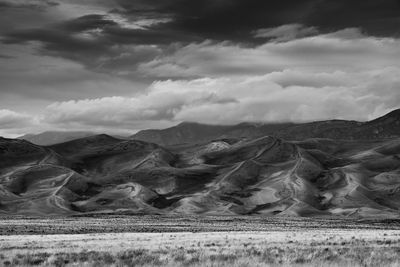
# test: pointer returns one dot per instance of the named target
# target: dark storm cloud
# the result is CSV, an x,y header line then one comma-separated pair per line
x,y
5,56
375,17
87,38
97,41
27,4
58,43
219,20
109,32
233,20
88,22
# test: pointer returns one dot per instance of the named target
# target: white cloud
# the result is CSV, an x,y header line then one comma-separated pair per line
x,y
316,96
286,32
14,122
346,50
161,103
141,23
12,119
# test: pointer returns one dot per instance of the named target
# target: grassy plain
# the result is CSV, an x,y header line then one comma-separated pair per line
x,y
199,241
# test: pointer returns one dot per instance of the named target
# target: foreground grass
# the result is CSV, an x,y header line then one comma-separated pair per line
x,y
264,248
248,256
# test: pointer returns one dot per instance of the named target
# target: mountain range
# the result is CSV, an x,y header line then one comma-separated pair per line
x,y
54,137
387,126
331,168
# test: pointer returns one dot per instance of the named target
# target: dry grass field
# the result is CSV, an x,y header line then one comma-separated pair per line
x,y
200,241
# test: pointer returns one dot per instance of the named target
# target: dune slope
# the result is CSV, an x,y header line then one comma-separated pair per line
x,y
266,175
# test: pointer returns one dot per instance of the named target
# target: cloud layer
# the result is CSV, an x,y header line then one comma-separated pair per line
x,y
125,65
232,100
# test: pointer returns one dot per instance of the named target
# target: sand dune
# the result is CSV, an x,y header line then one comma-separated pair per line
x,y
266,175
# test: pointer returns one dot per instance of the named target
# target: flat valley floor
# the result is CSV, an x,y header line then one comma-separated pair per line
x,y
198,241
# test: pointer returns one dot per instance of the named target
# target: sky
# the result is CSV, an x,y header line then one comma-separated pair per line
x,y
119,66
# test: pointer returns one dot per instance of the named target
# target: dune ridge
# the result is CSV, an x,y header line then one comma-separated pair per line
x,y
265,175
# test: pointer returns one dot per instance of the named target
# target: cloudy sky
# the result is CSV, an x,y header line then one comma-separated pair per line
x,y
118,66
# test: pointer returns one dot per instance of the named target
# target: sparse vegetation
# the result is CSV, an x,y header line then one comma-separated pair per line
x,y
189,223
278,242
261,254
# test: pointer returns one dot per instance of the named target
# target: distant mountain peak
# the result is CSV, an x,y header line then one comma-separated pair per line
x,y
193,124
394,113
188,123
